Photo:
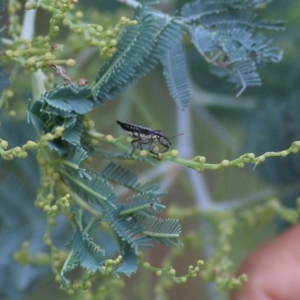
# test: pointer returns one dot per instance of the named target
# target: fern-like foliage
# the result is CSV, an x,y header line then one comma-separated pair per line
x,y
71,263
88,254
140,49
126,178
165,232
143,204
95,190
176,73
131,233
224,34
130,261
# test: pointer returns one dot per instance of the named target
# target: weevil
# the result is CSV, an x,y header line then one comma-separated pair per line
x,y
145,136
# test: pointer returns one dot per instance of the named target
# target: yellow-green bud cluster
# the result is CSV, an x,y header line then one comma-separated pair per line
x,y
64,201
110,265
51,210
23,256
9,154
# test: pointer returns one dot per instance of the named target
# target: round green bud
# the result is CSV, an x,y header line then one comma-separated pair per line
x,y
146,265
156,149
99,28
108,33
16,53
200,263
172,272
144,153
59,130
297,144
8,157
30,145
202,159
30,62
71,62
93,42
109,138
23,154
79,15
48,56
102,44
9,94
49,137
183,279
12,113
66,22
17,149
9,53
113,42
56,264
4,144
94,142
175,153
51,197
251,155
225,163
47,207
30,5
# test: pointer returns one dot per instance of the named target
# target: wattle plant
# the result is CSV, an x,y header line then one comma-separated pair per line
x,y
227,34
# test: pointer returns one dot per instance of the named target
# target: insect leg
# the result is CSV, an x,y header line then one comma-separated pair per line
x,y
152,144
139,142
133,143
165,144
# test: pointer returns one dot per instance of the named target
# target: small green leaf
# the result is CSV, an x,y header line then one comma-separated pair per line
x,y
89,254
69,98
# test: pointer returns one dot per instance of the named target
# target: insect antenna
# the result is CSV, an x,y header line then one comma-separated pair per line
x,y
174,136
169,139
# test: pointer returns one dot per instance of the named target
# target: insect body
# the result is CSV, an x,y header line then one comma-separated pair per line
x,y
145,136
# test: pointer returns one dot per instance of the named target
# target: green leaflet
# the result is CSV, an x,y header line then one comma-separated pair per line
x,y
224,33
140,48
127,178
88,254
94,189
176,74
141,230
163,231
130,232
143,204
71,263
74,157
69,98
130,261
197,9
135,44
